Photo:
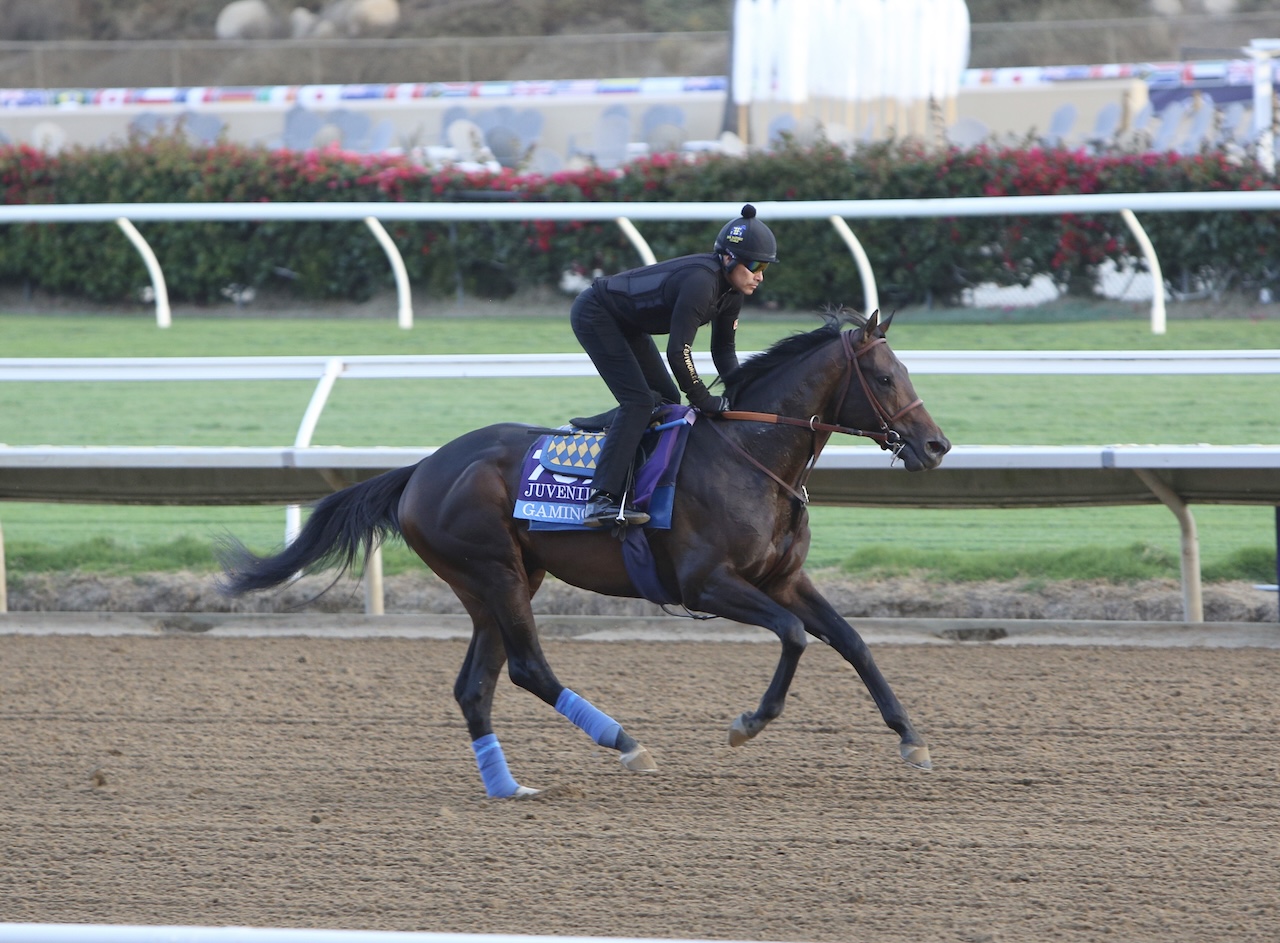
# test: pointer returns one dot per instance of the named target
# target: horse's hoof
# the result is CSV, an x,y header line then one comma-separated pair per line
x,y
916,756
639,760
739,733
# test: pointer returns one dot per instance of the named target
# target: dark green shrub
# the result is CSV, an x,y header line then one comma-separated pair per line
x,y
915,260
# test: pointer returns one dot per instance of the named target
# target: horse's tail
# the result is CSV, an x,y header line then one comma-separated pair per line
x,y
342,527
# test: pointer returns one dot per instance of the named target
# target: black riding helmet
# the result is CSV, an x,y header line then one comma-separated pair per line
x,y
747,239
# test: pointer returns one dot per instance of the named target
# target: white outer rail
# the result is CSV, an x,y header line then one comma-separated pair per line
x,y
769,210
971,476
1218,200
326,371
451,366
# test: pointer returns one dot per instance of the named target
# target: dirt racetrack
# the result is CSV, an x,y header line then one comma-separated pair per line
x,y
1079,793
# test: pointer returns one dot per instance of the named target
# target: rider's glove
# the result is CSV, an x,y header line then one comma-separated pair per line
x,y
713,404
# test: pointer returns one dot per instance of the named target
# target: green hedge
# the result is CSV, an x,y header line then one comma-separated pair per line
x,y
915,260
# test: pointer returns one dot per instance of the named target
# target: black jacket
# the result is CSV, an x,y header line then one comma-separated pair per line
x,y
676,297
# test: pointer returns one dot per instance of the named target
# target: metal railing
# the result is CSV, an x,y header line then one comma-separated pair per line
x,y
1008,476
834,211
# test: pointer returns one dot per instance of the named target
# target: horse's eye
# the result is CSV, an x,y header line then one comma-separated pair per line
x,y
884,379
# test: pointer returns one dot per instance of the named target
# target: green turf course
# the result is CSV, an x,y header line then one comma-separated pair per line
x,y
1122,543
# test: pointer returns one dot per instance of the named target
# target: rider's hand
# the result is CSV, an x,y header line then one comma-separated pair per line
x,y
713,405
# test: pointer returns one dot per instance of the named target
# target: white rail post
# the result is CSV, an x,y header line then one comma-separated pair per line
x,y
373,596
332,370
1153,263
642,246
1192,597
869,291
163,315
404,306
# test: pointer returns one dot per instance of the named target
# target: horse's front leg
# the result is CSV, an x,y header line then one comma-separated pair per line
x,y
734,598
822,621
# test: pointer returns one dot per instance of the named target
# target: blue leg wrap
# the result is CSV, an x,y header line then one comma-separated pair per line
x,y
498,781
597,725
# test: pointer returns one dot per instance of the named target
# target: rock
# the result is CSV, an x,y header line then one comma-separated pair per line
x,y
370,16
348,18
245,19
302,22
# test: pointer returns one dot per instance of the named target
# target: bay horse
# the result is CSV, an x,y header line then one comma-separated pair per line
x,y
736,547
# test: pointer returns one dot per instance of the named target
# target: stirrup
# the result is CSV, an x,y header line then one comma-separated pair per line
x,y
615,516
604,510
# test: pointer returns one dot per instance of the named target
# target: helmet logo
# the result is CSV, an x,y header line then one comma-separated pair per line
x,y
737,233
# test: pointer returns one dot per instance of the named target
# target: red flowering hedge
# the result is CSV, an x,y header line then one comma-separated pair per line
x,y
915,260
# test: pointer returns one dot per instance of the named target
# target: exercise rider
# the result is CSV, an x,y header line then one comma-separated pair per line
x,y
615,320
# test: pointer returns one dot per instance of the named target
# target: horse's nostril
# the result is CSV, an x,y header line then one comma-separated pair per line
x,y
939,446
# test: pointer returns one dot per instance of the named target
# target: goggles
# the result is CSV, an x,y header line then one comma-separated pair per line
x,y
753,267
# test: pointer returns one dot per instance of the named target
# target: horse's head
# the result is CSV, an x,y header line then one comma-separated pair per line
x,y
878,395
843,380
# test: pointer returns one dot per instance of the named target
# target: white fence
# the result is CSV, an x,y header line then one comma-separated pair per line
x,y
853,476
846,475
453,366
626,214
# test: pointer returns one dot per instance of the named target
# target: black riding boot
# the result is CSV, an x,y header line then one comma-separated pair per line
x,y
605,510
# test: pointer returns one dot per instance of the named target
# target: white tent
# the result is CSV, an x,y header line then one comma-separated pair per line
x,y
870,66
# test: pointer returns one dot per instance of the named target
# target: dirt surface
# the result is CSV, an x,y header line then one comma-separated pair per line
x,y
1079,794
422,592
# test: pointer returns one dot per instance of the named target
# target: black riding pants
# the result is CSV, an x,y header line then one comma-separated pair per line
x,y
632,368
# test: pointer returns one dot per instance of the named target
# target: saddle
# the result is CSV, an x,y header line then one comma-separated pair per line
x,y
597,423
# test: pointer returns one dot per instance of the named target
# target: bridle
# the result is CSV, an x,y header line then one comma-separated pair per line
x,y
888,437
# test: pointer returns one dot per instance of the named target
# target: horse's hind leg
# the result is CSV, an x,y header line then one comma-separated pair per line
x,y
463,531
504,624
528,668
474,692
733,598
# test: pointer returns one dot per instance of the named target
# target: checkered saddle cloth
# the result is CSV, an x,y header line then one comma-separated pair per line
x,y
571,453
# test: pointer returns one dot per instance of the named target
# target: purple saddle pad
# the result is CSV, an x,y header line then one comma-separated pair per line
x,y
555,500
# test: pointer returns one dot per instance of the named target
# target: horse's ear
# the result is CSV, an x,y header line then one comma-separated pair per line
x,y
873,322
884,325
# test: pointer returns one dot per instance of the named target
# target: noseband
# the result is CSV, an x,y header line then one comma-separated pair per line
x,y
888,437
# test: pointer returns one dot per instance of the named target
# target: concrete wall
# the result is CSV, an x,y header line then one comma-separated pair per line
x,y
596,121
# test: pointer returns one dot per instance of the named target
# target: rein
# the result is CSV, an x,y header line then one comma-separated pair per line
x,y
888,437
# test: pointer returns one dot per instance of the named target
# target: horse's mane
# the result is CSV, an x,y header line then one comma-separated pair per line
x,y
789,349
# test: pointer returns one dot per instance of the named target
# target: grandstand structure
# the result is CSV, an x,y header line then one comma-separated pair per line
x,y
527,102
